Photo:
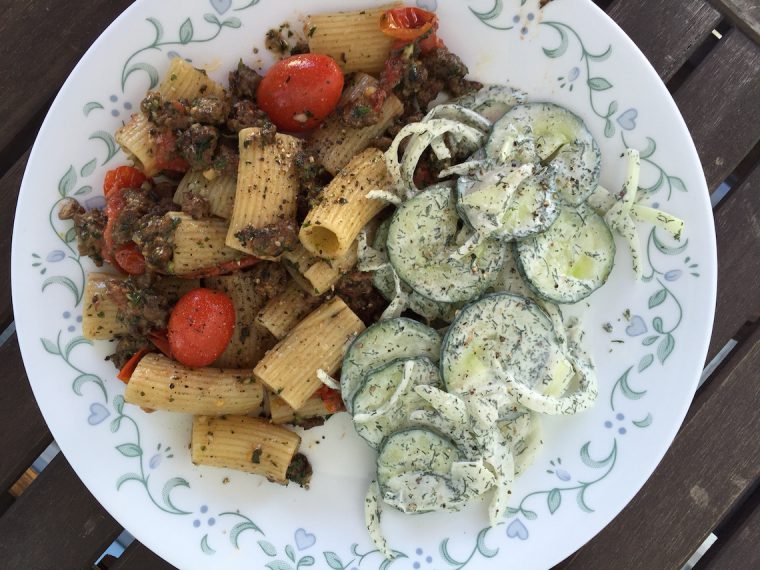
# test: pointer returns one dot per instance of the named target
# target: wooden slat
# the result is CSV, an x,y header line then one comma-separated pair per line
x,y
737,228
55,524
744,14
66,30
9,186
720,102
667,32
25,434
737,548
713,462
138,557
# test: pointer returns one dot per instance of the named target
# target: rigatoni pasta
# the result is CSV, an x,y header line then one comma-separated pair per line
x,y
263,217
159,383
336,144
219,192
282,413
250,340
200,244
136,140
353,39
286,310
319,341
244,443
344,209
100,314
314,274
183,81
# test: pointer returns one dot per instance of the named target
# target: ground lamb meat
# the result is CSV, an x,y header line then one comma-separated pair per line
x,y
271,240
197,206
245,114
210,110
270,279
451,70
197,145
358,292
312,178
142,309
139,203
165,113
299,471
226,160
89,228
126,348
155,236
244,82
361,102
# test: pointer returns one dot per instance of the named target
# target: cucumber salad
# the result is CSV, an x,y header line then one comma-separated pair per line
x,y
517,226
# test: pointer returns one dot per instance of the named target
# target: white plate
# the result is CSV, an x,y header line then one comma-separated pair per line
x,y
138,465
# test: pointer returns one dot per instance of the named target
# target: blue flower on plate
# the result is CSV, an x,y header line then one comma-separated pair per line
x,y
558,470
210,521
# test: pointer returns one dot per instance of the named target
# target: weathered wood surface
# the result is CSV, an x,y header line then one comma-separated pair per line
x,y
713,462
55,524
737,228
744,14
737,546
667,32
42,41
720,103
25,433
137,557
9,187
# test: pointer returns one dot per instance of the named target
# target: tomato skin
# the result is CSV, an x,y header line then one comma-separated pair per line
x,y
298,92
123,177
130,259
408,23
128,369
201,326
167,157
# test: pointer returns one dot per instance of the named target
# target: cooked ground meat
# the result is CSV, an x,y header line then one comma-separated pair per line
x,y
360,295
450,69
361,101
165,113
126,347
197,145
155,236
210,110
142,309
138,203
418,78
312,178
89,227
244,82
299,471
381,143
226,160
270,279
271,240
197,206
246,114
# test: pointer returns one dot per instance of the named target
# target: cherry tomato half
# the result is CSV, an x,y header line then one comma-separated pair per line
x,y
130,259
123,177
408,23
201,326
300,91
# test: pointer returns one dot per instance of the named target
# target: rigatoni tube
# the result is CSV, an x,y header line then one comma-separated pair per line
x,y
244,443
344,209
263,221
314,274
160,383
319,341
283,312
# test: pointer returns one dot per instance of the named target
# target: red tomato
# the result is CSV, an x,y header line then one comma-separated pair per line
x,y
331,399
126,372
300,91
167,157
408,23
130,259
201,326
123,177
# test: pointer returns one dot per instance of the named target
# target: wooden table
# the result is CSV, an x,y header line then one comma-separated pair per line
x,y
708,481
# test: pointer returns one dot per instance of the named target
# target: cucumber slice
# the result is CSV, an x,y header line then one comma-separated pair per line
x,y
387,397
571,260
509,329
509,204
381,343
383,282
415,449
492,101
558,137
422,249
523,433
414,471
